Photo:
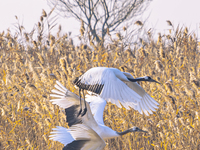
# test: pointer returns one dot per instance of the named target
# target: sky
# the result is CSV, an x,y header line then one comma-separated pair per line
x,y
28,12
183,12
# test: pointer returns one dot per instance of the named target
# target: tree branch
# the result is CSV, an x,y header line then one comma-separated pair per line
x,y
115,12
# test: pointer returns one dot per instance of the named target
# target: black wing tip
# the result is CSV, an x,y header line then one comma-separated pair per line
x,y
75,145
71,115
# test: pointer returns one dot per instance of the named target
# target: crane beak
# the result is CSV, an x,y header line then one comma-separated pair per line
x,y
140,130
152,80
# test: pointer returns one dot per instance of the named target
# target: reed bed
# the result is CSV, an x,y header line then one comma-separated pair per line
x,y
29,69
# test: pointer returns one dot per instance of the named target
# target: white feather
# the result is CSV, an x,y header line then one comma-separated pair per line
x,y
78,132
113,85
83,132
93,117
147,103
97,105
61,135
90,128
64,88
59,88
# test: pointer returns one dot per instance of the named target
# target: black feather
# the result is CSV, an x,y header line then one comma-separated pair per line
x,y
75,145
71,115
96,88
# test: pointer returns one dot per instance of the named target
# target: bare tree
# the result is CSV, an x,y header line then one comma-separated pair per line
x,y
100,16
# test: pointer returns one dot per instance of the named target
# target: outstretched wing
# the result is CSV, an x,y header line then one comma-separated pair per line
x,y
78,136
61,135
97,105
76,145
103,81
86,136
147,103
70,102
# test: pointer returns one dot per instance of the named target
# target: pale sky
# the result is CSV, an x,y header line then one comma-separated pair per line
x,y
183,12
28,12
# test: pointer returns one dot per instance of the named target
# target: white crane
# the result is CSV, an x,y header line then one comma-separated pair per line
x,y
87,132
116,87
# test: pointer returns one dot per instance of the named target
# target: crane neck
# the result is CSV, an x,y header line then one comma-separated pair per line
x,y
137,79
124,132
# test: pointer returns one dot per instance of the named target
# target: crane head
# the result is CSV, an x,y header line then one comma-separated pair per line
x,y
136,129
133,129
149,79
145,78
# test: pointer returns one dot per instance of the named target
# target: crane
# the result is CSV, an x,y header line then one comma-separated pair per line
x,y
87,132
116,87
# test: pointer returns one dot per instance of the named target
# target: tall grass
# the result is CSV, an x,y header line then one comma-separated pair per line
x,y
29,69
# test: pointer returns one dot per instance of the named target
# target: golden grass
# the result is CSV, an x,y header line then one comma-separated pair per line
x,y
28,73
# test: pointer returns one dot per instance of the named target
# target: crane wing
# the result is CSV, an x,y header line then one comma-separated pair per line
x,y
70,102
61,135
83,132
147,103
97,105
78,136
104,82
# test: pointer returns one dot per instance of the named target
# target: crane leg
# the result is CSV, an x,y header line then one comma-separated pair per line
x,y
80,103
85,109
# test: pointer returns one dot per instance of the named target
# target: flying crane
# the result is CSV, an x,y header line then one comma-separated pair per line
x,y
116,87
87,132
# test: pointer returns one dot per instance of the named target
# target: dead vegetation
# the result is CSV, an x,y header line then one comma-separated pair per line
x,y
28,71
